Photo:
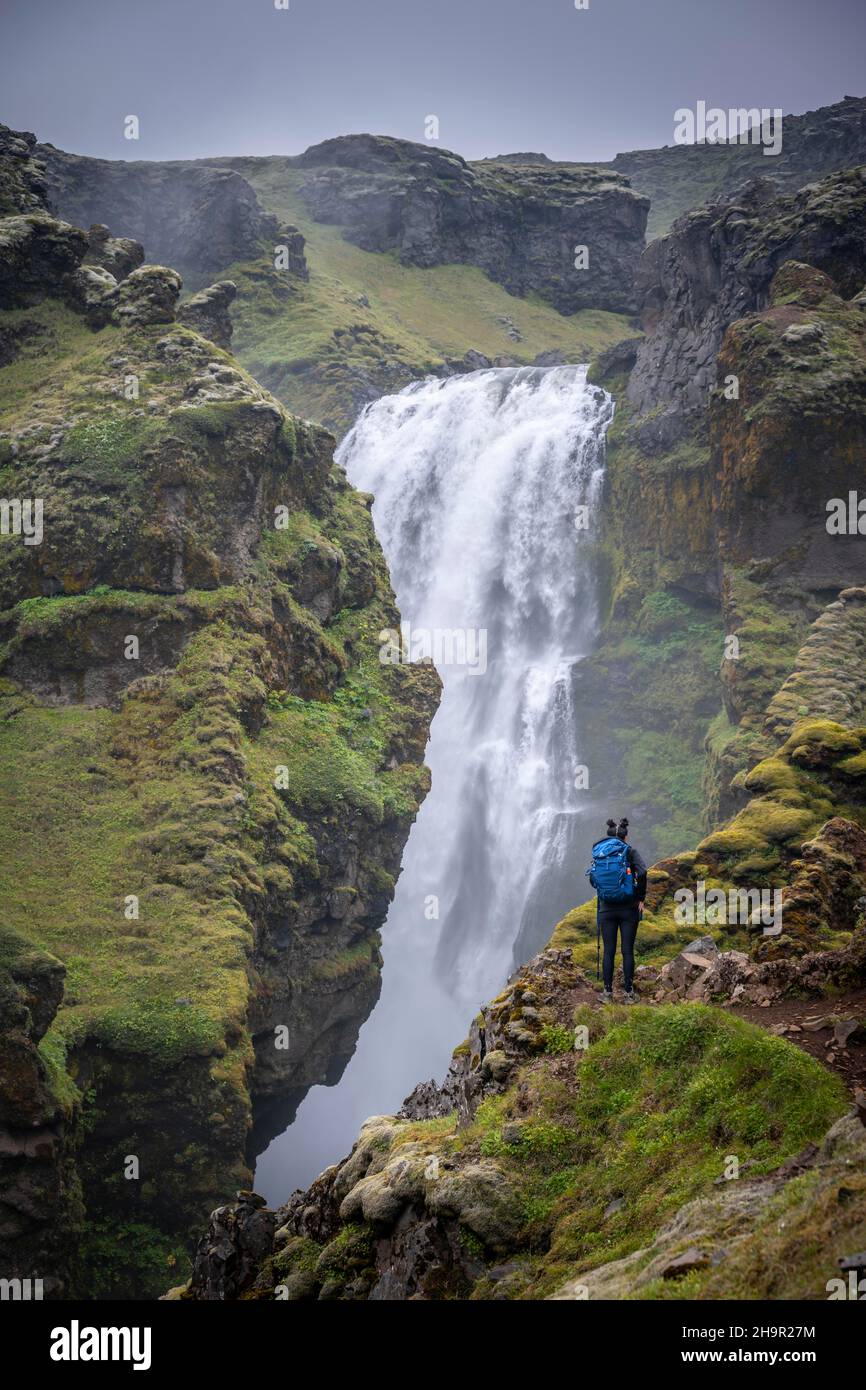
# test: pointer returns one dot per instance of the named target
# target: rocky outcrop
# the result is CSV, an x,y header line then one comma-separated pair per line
x,y
716,266
702,972
37,253
570,1107
503,1034
23,185
189,215
680,177
522,223
208,312
118,255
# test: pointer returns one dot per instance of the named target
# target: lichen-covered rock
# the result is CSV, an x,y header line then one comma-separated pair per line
x,y
93,290
208,312
36,253
484,1200
148,295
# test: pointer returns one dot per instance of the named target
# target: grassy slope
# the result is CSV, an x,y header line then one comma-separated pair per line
x,y
598,1148
416,318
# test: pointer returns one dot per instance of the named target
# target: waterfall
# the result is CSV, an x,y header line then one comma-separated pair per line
x,y
485,491
479,484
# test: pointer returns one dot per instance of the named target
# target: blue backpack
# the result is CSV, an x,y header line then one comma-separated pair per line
x,y
609,872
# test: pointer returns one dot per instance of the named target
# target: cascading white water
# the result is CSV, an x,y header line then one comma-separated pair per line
x,y
479,482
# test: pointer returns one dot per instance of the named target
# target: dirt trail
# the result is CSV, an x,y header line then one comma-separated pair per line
x,y
814,1025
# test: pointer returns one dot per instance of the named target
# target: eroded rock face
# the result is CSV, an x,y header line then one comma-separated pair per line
x,y
23,185
716,265
118,255
237,1240
192,216
520,222
36,254
38,1183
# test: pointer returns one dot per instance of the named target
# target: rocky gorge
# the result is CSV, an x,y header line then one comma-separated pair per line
x,y
724,698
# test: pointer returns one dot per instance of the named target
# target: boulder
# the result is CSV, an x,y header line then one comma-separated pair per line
x,y
148,295
208,312
36,254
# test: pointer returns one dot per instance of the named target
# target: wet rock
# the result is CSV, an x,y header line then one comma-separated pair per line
x,y
229,1255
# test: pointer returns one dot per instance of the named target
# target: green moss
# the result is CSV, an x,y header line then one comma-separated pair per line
x,y
114,1259
557,1039
663,1096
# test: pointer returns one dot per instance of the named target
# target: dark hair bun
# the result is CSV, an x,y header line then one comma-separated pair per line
x,y
611,827
622,828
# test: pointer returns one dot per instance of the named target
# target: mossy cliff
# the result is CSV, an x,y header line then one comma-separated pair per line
x,y
207,775
404,259
714,518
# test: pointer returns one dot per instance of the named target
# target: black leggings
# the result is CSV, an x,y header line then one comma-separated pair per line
x,y
626,917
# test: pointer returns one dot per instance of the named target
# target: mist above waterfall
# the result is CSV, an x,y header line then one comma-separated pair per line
x,y
485,488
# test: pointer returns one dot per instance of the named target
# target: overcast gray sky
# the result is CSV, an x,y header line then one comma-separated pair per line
x,y
208,77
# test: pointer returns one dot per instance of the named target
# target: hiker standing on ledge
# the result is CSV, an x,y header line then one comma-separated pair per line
x,y
618,875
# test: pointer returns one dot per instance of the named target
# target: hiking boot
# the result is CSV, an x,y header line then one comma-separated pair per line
x,y
629,997
607,996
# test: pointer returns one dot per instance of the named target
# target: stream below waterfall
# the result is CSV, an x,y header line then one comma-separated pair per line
x,y
486,489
